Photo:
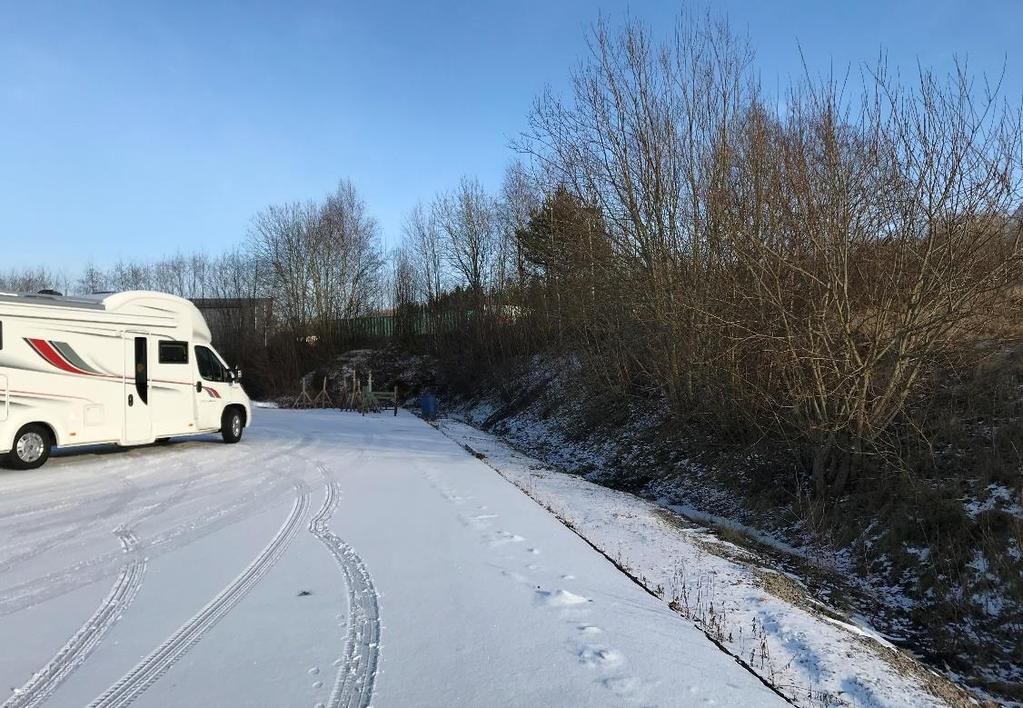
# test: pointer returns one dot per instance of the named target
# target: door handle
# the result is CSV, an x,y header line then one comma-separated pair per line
x,y
198,386
131,400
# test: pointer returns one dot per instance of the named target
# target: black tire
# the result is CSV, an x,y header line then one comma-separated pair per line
x,y
32,447
232,425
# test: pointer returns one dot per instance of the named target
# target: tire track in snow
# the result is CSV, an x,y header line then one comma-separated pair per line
x,y
357,668
72,499
78,529
68,526
41,589
216,517
77,494
83,486
78,648
81,644
150,669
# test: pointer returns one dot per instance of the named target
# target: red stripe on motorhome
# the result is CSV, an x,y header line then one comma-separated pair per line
x,y
47,352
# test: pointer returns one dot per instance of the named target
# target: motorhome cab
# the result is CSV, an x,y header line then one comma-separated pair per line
x,y
128,368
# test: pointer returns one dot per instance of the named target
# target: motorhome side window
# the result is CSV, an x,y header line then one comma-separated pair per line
x,y
210,367
173,352
142,368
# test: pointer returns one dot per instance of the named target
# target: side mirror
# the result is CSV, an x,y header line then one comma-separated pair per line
x,y
236,374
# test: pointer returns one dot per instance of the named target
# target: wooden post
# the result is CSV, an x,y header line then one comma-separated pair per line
x,y
303,398
323,399
349,398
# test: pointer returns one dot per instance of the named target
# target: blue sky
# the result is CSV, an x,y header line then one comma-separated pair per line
x,y
138,129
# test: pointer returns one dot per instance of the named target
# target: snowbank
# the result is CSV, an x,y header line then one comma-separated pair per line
x,y
758,615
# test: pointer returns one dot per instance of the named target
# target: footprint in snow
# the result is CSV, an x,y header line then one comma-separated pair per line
x,y
517,577
314,670
480,522
597,657
622,685
505,537
560,598
534,551
590,629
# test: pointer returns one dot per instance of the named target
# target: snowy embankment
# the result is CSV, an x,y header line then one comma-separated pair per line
x,y
756,614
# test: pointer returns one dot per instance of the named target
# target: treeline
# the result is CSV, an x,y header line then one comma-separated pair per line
x,y
300,268
802,269
318,260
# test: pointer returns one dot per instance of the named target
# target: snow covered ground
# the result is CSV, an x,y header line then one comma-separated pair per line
x,y
761,616
330,559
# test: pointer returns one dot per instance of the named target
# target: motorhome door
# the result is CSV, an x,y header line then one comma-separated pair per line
x,y
138,417
209,388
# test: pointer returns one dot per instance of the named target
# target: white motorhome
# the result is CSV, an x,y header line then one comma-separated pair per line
x,y
127,368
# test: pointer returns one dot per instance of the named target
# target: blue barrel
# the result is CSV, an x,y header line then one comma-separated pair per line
x,y
428,405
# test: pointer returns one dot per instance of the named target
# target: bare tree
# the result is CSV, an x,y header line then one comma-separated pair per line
x,y
92,280
798,277
344,254
278,239
30,280
322,260
521,195
873,242
425,244
468,221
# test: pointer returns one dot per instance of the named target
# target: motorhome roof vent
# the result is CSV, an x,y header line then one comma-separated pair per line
x,y
47,291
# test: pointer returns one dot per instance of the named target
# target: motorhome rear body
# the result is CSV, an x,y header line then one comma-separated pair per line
x,y
127,368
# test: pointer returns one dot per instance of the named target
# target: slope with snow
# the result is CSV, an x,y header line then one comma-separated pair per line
x,y
811,655
330,559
